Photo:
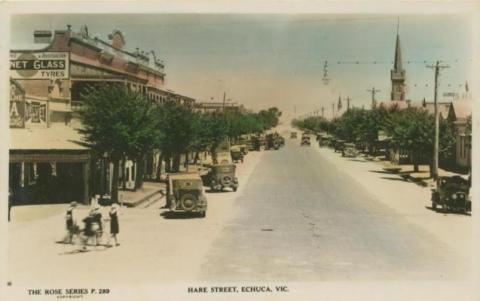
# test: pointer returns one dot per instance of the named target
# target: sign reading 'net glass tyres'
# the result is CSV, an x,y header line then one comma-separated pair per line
x,y
39,65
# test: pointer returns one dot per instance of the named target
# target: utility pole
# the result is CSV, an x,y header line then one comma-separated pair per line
x,y
323,111
223,106
333,110
373,91
437,67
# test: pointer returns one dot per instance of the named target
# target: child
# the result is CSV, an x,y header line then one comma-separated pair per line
x,y
72,228
114,226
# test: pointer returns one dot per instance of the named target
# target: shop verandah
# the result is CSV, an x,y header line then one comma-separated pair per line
x,y
47,165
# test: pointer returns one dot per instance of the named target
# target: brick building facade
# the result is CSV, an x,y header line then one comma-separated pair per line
x,y
44,114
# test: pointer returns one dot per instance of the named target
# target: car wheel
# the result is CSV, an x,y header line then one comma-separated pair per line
x,y
434,205
203,214
188,201
212,187
234,188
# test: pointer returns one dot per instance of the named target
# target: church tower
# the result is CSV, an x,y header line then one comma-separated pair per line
x,y
397,74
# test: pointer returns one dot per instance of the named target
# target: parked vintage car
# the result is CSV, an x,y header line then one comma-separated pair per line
x,y
272,141
349,150
337,145
293,135
185,193
243,148
258,143
305,140
452,194
220,177
236,153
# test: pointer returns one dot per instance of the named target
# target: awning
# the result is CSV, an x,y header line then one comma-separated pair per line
x,y
58,137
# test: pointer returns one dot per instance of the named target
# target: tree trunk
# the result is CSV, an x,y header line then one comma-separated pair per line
x,y
168,163
114,193
196,157
140,173
186,159
176,163
415,162
124,178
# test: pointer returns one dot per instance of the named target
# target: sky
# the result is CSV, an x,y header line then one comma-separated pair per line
x,y
278,60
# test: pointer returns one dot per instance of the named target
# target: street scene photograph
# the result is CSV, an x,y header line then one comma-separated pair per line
x,y
238,153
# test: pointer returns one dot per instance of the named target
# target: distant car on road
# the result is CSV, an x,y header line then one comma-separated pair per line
x,y
452,194
305,140
293,135
185,193
349,150
236,153
220,177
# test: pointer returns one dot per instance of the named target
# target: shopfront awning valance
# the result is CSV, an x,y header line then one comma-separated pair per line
x,y
42,156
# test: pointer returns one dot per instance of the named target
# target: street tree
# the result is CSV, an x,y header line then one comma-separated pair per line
x,y
116,124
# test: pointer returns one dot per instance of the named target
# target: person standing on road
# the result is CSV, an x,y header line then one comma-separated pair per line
x,y
88,231
114,226
71,224
97,224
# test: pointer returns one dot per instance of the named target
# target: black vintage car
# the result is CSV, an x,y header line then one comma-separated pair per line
x,y
338,145
452,194
185,193
220,177
273,141
305,140
236,153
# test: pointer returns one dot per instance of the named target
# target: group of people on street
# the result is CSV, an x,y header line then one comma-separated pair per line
x,y
93,227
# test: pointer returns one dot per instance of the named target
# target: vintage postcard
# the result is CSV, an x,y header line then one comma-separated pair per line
x,y
289,151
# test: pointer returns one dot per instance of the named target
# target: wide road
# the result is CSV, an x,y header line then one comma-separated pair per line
x,y
300,218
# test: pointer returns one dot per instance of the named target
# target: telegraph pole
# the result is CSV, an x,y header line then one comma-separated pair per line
x,y
223,106
437,67
373,91
323,110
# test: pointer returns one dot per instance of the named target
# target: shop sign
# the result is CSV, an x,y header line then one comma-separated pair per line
x,y
36,112
39,65
17,113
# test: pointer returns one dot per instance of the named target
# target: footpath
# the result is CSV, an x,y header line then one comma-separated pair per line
x,y
408,199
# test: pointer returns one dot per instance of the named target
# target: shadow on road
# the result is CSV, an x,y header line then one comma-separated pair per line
x,y
446,212
217,191
357,160
381,171
179,215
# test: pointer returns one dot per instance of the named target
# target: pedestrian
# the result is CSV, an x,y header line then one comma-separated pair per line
x,y
88,232
114,226
72,227
97,224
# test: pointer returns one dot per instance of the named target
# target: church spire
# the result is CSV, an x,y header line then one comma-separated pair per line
x,y
397,74
398,56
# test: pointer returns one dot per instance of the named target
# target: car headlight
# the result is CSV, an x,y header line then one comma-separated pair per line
x,y
454,196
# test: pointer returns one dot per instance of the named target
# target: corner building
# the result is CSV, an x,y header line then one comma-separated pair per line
x,y
47,165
